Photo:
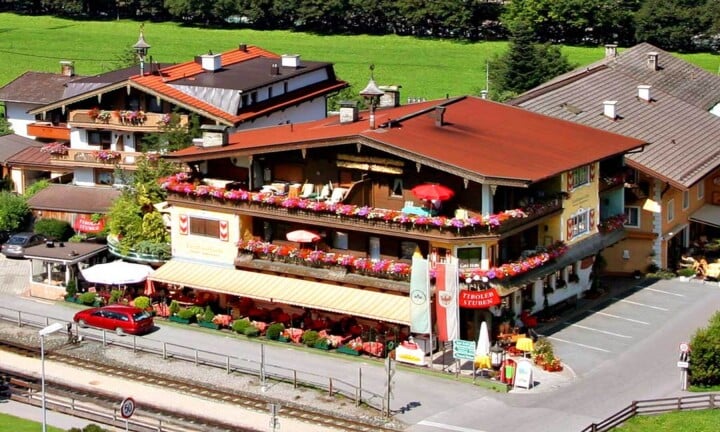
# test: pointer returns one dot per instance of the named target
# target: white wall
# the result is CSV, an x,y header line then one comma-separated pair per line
x,y
83,176
79,140
16,114
308,111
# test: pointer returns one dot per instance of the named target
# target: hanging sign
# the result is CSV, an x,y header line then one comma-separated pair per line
x,y
84,224
479,299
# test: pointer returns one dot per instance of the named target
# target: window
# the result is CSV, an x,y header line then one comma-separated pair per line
x,y
671,210
701,190
581,176
397,188
469,257
205,227
245,99
580,223
686,199
253,98
100,138
632,217
285,87
270,95
154,105
104,177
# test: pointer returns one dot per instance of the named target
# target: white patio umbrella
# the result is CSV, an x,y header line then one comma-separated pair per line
x,y
483,345
117,273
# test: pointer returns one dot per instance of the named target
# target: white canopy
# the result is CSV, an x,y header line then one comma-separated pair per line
x,y
117,273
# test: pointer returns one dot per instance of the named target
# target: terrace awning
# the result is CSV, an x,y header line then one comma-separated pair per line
x,y
708,215
298,292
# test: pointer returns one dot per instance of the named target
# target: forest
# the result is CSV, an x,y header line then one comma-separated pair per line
x,y
676,25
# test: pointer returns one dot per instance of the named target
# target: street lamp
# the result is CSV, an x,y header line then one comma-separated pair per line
x,y
372,93
497,356
52,328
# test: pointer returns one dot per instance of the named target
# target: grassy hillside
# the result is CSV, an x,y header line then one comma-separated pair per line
x,y
424,68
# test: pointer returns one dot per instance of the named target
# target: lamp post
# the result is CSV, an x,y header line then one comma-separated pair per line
x,y
141,48
371,92
497,356
52,328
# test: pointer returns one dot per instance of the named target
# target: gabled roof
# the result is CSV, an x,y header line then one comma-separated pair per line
x,y
12,144
38,88
479,140
684,136
32,157
75,199
214,94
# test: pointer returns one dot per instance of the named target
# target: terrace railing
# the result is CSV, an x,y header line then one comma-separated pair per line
x,y
121,120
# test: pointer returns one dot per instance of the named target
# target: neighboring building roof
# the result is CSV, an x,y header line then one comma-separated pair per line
x,y
75,199
215,94
12,144
683,135
38,88
32,156
68,252
478,139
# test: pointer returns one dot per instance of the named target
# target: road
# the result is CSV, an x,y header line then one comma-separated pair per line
x,y
624,349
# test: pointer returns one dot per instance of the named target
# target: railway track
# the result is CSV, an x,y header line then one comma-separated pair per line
x,y
168,418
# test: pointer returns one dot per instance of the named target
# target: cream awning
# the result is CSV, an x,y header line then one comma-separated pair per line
x,y
316,295
708,214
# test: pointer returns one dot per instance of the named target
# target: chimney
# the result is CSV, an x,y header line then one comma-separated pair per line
x,y
610,109
644,93
652,61
439,116
67,68
274,69
610,50
483,94
391,96
212,136
242,47
211,62
348,112
291,61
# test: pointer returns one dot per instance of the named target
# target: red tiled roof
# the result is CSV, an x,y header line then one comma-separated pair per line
x,y
478,137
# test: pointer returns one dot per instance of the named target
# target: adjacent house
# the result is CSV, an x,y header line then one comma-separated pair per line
x,y
672,188
515,196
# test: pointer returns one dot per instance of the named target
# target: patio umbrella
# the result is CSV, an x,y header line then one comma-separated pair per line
x,y
433,191
117,273
149,288
483,345
302,236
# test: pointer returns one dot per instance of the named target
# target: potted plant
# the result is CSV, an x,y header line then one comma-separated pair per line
x,y
142,302
686,273
88,298
206,319
70,291
183,316
274,331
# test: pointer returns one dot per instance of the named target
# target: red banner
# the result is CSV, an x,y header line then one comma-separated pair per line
x,y
479,299
85,224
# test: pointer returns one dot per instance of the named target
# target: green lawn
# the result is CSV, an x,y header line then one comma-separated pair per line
x,y
10,423
425,68
681,421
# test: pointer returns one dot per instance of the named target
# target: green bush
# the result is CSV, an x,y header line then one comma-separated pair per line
x,y
197,310
55,229
142,302
187,313
208,315
92,427
71,288
240,325
251,331
705,355
174,307
115,296
686,272
310,338
661,274
274,331
88,298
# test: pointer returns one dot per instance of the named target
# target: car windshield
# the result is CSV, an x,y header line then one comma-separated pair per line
x,y
141,316
17,240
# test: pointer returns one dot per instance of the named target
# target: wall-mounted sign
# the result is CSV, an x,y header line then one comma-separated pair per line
x,y
479,299
84,224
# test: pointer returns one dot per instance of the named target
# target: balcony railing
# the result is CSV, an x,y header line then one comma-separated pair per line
x,y
95,158
122,120
47,130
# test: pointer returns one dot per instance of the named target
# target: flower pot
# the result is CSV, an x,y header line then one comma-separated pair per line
x,y
208,325
177,319
347,350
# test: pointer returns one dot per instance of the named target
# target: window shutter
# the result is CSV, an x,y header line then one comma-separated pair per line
x,y
592,220
184,224
569,229
592,172
569,180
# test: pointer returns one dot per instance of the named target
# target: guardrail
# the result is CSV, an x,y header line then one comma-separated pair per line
x,y
263,370
656,406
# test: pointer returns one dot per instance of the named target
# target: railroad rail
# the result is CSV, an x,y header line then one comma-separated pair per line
x,y
66,397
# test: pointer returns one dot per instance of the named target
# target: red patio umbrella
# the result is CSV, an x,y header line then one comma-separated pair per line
x,y
433,191
302,236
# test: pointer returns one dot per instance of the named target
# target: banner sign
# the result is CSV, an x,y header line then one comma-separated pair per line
x,y
84,224
419,296
479,299
446,302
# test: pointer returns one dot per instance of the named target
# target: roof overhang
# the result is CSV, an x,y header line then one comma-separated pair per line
x,y
61,104
707,215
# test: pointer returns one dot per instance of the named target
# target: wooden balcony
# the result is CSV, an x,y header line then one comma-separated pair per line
x,y
88,158
152,122
405,228
47,130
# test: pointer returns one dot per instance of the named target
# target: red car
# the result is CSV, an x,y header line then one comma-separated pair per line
x,y
121,319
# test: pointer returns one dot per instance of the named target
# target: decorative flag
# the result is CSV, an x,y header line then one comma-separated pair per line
x,y
446,301
419,296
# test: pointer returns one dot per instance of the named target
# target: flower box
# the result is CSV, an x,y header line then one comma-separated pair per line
x,y
282,338
177,319
347,350
210,325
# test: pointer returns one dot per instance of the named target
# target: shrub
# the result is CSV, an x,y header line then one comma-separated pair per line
x,y
208,315
240,325
197,310
53,229
274,331
661,274
686,272
251,331
115,296
142,302
310,338
174,307
71,288
187,313
705,357
88,298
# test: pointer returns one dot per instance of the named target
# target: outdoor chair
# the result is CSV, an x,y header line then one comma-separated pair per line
x,y
338,195
324,193
307,191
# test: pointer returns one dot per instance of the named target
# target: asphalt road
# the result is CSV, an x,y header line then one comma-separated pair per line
x,y
625,349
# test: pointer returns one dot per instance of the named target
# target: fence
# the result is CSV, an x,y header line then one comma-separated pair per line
x,y
656,406
263,370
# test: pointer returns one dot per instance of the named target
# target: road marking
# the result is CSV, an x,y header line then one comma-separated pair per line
x,y
641,304
598,330
448,427
579,344
619,317
664,292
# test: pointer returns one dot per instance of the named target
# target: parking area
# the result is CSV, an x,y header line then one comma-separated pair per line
x,y
14,275
621,320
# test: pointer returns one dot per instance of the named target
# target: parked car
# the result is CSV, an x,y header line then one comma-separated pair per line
x,y
121,319
16,244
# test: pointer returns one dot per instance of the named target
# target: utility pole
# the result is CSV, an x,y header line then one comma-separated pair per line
x,y
390,373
